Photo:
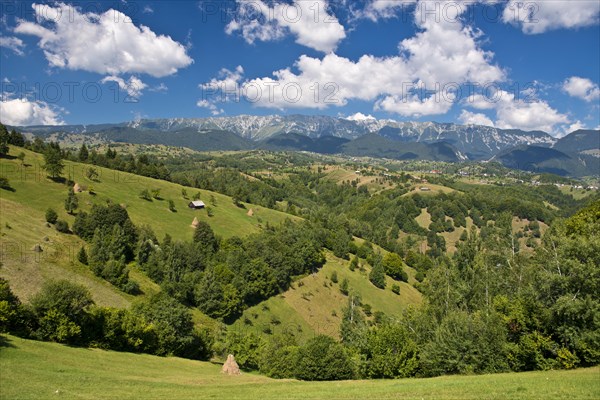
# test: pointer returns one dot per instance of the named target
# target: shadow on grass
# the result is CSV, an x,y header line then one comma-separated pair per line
x,y
5,342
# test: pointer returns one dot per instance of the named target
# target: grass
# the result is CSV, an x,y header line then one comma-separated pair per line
x,y
315,304
36,370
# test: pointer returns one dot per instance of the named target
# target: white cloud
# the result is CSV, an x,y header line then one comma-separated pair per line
x,y
359,117
161,88
134,86
107,43
582,88
378,9
13,43
413,106
309,21
22,112
542,16
214,110
148,10
514,113
469,118
575,126
420,80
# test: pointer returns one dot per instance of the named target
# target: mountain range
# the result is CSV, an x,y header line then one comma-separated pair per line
x,y
577,154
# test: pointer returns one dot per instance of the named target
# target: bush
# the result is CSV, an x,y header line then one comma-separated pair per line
x,y
323,359
396,289
51,216
334,277
62,226
377,276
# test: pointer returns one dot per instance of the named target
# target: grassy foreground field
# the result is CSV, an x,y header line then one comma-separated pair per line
x,y
36,370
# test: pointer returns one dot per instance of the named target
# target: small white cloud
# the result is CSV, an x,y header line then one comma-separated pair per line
x,y
541,16
23,112
413,106
577,125
134,86
160,88
107,43
148,10
359,117
582,88
211,106
13,43
309,21
469,118
383,9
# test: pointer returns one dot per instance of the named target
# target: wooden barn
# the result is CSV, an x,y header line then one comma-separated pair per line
x,y
196,204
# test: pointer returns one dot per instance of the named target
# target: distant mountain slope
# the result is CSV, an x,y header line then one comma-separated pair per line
x,y
541,159
295,141
579,141
377,146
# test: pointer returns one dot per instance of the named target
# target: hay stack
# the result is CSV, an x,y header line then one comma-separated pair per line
x,y
231,367
250,213
77,188
195,222
37,248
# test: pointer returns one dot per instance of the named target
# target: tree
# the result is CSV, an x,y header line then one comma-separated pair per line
x,y
4,139
172,206
205,237
83,153
16,139
323,359
53,163
64,296
71,202
394,267
62,226
377,276
391,352
21,157
82,256
51,216
344,287
92,173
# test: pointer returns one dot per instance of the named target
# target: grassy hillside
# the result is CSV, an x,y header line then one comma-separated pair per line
x,y
314,304
37,370
22,222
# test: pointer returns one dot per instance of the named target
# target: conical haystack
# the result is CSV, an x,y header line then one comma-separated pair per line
x,y
37,248
250,212
231,367
195,222
77,188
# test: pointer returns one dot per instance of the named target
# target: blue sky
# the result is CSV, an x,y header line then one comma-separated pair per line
x,y
532,65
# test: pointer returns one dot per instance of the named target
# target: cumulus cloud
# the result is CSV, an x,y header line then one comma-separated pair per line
x,y
470,118
542,16
23,112
515,113
108,43
419,80
582,88
13,43
309,21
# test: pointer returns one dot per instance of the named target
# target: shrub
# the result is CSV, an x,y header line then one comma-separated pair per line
x,y
334,277
62,226
396,289
323,359
51,216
